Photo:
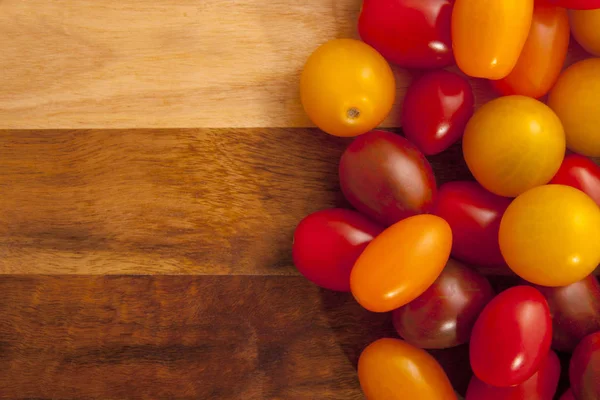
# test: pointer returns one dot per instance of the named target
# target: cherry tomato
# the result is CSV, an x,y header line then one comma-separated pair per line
x,y
549,235
511,337
513,144
488,36
401,263
328,242
575,99
410,33
541,386
436,110
568,395
575,311
391,369
474,215
386,177
347,88
543,55
584,26
576,4
584,368
443,316
581,173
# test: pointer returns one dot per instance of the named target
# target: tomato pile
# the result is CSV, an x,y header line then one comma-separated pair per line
x,y
411,248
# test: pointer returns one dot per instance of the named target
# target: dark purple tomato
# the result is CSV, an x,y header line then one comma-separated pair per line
x,y
568,395
436,109
581,173
386,177
575,311
474,214
575,4
444,315
511,337
584,368
328,242
541,386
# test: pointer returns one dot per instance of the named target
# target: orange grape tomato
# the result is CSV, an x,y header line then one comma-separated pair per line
x,y
543,55
549,235
488,35
391,369
585,26
576,99
347,88
401,263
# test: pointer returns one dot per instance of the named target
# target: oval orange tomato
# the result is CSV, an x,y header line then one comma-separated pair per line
x,y
543,55
347,88
401,263
391,369
488,36
584,26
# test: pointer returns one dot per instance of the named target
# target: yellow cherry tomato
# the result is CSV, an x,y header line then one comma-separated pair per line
x,y
391,369
347,88
585,26
488,35
513,144
576,100
550,235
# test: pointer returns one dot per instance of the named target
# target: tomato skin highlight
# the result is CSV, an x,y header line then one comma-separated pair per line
x,y
401,263
584,26
543,54
504,350
584,367
488,36
581,173
436,109
409,33
327,243
391,369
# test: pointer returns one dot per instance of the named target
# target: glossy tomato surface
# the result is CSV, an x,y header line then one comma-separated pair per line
x,y
444,315
541,386
543,54
584,26
401,263
386,177
410,33
391,369
505,350
575,99
568,395
549,235
581,173
347,88
328,242
584,368
474,214
576,4
575,311
436,109
488,36
513,144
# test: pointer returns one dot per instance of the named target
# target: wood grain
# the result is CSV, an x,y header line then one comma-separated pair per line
x,y
185,63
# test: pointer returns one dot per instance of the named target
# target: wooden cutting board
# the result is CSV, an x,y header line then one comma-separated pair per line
x,y
154,161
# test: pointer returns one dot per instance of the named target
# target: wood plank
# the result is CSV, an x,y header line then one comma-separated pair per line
x,y
209,337
134,64
166,201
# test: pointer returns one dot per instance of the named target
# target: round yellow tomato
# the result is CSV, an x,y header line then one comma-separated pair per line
x,y
347,88
513,144
575,99
549,235
391,369
584,26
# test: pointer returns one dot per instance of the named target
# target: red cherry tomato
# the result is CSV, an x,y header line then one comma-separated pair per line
x,y
568,395
444,315
575,311
543,54
328,242
584,368
541,386
474,214
410,33
511,337
386,177
576,4
436,110
581,173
